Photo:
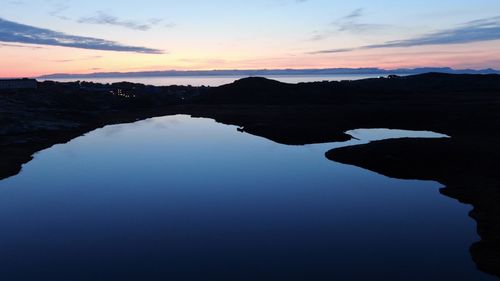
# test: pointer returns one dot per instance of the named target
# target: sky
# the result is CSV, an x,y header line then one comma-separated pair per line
x,y
39,37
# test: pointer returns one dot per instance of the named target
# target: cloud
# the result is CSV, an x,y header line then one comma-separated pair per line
x,y
78,59
348,23
354,14
19,46
487,29
473,31
20,33
170,25
351,23
58,10
106,19
331,51
103,18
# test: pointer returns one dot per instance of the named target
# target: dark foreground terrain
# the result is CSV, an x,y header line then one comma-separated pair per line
x,y
465,107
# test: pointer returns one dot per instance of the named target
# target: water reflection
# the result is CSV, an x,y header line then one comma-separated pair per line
x,y
384,134
177,198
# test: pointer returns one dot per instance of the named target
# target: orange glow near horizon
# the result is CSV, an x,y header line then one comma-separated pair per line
x,y
34,61
128,36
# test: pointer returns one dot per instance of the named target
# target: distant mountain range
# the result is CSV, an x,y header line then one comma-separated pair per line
x,y
274,72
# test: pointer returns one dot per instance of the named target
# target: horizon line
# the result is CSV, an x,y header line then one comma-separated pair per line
x,y
370,69
291,71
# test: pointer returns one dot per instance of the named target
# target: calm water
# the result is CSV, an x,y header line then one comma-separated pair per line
x,y
177,198
214,81
381,134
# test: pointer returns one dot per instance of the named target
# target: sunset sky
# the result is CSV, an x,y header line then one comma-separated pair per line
x,y
75,36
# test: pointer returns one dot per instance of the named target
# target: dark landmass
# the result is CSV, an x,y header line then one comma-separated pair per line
x,y
465,107
468,168
271,72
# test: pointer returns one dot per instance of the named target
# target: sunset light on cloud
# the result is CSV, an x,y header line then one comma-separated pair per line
x,y
51,36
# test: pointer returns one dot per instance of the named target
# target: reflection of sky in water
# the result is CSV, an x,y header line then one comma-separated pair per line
x,y
381,134
179,198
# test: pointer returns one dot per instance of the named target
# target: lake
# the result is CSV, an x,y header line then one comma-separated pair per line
x,y
181,198
214,81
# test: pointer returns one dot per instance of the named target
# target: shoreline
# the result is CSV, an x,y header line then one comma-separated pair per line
x,y
464,107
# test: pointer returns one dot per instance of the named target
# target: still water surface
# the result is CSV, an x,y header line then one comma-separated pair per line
x,y
214,81
178,198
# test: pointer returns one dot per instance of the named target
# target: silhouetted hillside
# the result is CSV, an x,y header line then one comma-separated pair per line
x,y
257,90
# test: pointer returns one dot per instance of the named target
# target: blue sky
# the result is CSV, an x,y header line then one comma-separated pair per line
x,y
88,36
